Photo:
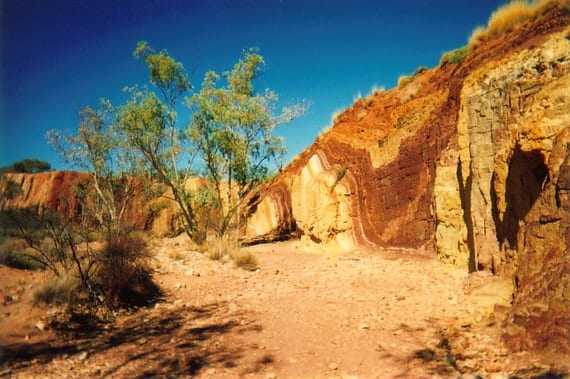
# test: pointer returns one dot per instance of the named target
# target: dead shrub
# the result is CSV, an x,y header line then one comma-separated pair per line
x,y
476,37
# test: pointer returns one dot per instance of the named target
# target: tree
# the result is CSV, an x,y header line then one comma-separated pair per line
x,y
229,140
148,123
31,166
232,130
118,272
98,149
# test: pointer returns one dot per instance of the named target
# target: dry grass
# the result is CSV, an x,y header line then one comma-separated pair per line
x,y
476,37
509,16
404,80
58,290
225,248
176,255
220,248
245,260
15,253
124,273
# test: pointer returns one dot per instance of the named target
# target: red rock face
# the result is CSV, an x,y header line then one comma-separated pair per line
x,y
52,190
496,125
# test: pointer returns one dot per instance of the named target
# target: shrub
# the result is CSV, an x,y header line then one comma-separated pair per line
x,y
219,248
124,275
14,253
455,56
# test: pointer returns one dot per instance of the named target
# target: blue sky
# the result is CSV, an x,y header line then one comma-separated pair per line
x,y
57,56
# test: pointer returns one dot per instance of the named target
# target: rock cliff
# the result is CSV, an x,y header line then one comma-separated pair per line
x,y
468,162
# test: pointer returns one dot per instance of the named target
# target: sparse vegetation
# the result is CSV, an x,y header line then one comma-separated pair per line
x,y
476,37
509,16
123,273
341,172
223,248
503,20
31,166
13,253
58,290
244,259
455,56
404,80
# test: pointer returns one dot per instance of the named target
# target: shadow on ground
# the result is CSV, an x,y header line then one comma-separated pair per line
x,y
151,343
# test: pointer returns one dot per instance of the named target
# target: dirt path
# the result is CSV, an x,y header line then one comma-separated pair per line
x,y
301,315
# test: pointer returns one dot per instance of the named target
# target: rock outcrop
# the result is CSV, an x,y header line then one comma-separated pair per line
x,y
468,162
55,191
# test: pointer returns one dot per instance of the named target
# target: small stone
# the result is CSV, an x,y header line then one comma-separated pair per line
x,y
141,341
232,307
333,366
271,375
364,325
397,332
41,325
177,285
400,298
83,355
27,337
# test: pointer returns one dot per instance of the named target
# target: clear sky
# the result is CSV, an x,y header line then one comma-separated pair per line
x,y
57,56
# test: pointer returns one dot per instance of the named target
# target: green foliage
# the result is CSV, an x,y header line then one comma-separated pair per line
x,y
455,56
30,166
165,73
13,253
232,130
98,148
229,141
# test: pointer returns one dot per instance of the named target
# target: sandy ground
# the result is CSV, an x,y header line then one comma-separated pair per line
x,y
303,314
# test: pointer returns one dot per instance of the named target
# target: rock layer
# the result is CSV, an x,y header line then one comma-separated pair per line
x,y
468,162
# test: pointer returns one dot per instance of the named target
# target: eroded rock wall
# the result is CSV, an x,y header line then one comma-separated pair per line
x,y
468,162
